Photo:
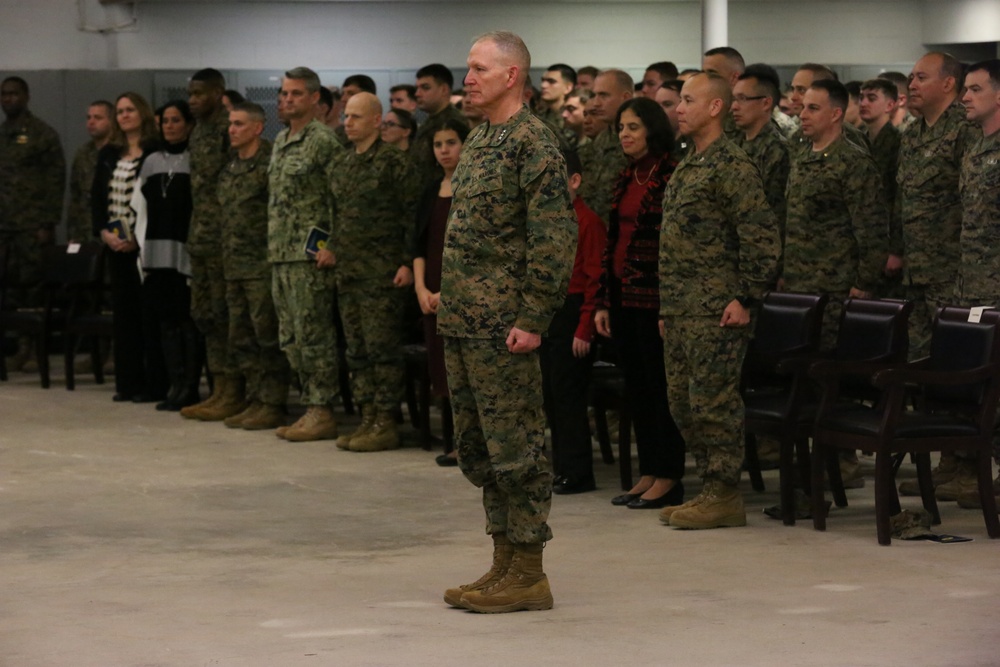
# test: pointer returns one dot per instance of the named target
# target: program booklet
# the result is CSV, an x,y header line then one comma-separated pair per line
x,y
316,241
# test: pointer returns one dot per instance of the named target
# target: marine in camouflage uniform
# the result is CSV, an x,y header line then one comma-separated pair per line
x,y
300,199
603,160
32,183
253,322
769,151
836,227
507,259
81,178
374,197
929,210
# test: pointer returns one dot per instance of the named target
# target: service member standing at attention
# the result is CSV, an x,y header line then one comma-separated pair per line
x,y
506,266
603,159
374,193
81,180
253,322
32,181
209,147
300,200
719,250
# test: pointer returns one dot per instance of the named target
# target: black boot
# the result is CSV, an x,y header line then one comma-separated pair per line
x,y
173,355
193,360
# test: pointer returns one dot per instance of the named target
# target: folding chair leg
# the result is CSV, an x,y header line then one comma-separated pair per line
x,y
986,498
753,462
818,499
786,482
883,503
923,461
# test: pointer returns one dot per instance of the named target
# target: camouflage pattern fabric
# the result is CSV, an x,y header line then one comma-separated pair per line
x,y
303,300
703,363
979,270
769,151
603,161
243,197
373,326
209,148
81,178
210,311
253,339
496,399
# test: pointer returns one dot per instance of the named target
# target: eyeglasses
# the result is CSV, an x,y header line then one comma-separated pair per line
x,y
389,123
743,99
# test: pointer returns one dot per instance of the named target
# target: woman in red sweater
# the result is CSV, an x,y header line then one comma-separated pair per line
x,y
629,302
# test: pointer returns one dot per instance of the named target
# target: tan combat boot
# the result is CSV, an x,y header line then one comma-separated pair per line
x,y
503,551
236,421
265,418
367,422
942,473
382,435
524,587
721,507
218,388
667,512
232,401
964,481
316,424
970,499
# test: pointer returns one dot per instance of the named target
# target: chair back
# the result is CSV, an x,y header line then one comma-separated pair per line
x,y
63,269
787,323
960,345
873,329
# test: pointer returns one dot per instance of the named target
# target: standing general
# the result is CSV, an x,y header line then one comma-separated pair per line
x,y
505,270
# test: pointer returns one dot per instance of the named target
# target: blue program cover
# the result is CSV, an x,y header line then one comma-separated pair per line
x,y
316,241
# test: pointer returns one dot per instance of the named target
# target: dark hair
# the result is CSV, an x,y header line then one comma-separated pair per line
x,y
458,127
674,85
235,96
573,164
659,136
438,72
19,81
406,121
362,81
900,80
766,77
410,90
180,105
991,67
950,66
108,106
212,77
565,71
730,54
853,89
887,87
588,69
255,111
836,91
666,69
688,70
326,96
820,72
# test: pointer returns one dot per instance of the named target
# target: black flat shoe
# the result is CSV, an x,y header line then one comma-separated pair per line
x,y
446,460
565,485
624,499
674,496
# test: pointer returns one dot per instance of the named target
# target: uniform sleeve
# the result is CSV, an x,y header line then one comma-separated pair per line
x,y
409,193
54,181
742,196
550,231
866,204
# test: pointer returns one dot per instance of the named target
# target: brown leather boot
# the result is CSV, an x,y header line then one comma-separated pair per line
x,y
316,424
236,421
964,481
524,587
942,473
380,437
367,422
232,401
667,512
503,551
721,507
218,388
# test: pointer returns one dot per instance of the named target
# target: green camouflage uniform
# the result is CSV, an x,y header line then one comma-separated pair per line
x,y
769,151
81,178
885,152
836,234
422,147
603,160
507,260
300,199
787,127
374,198
209,147
32,182
930,215
253,322
979,270
719,242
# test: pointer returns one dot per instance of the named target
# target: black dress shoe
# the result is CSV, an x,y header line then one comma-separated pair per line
x,y
674,496
446,460
565,485
624,499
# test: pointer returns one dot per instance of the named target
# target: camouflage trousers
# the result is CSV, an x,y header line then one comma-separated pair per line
x,y
303,299
926,301
253,340
496,398
24,268
211,313
703,363
373,327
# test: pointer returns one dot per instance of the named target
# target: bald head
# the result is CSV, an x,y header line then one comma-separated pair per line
x,y
364,104
362,120
717,87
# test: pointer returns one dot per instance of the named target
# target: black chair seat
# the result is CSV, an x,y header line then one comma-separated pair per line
x,y
866,421
774,407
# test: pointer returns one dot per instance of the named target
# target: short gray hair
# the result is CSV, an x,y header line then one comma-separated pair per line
x,y
305,74
511,46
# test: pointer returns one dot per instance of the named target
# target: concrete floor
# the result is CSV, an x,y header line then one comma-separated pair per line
x,y
135,538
